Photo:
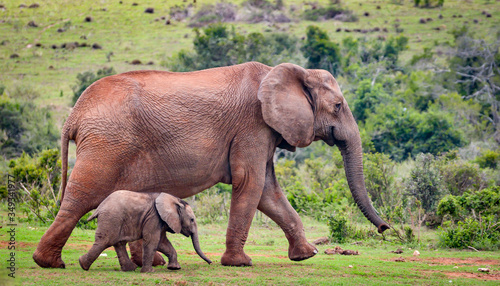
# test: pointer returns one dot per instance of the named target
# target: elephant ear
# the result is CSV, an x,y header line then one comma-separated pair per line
x,y
168,209
287,104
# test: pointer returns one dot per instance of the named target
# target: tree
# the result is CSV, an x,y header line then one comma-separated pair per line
x,y
24,127
402,131
216,46
476,66
368,96
321,53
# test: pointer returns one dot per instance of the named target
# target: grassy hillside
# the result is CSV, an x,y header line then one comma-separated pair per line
x,y
129,33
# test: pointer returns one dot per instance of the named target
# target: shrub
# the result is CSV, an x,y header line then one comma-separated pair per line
x,y
379,178
218,13
255,11
424,183
448,206
339,229
489,159
37,178
212,205
331,12
409,236
368,96
342,231
476,217
87,78
471,203
460,176
482,233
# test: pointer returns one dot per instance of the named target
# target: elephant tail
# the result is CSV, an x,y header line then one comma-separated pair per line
x,y
66,136
93,216
64,163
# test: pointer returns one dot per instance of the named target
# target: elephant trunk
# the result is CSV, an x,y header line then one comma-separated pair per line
x,y
352,153
196,245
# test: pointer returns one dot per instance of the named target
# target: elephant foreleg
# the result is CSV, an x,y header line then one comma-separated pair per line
x,y
149,245
275,205
166,248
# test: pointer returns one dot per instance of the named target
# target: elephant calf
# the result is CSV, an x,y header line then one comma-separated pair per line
x,y
126,216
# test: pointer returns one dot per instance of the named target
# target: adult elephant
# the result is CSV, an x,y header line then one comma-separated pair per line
x,y
184,132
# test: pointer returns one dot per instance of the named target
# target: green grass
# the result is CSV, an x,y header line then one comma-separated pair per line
x,y
268,248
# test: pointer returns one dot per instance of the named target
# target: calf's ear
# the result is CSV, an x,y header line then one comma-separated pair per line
x,y
168,209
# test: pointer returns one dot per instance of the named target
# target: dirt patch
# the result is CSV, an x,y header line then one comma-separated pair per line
x,y
19,244
482,276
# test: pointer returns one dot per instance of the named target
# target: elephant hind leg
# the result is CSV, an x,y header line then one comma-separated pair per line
x,y
48,252
87,259
125,263
136,254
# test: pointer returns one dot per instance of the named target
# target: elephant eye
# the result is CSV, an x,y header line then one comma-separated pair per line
x,y
192,220
338,106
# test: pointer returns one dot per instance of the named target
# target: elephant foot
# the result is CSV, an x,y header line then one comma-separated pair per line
x,y
129,267
173,265
83,264
48,261
146,269
235,259
301,252
158,260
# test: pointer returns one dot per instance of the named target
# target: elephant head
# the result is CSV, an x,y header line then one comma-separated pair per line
x,y
305,105
180,218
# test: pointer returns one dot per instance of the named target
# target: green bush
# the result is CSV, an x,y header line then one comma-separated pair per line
x,y
37,179
448,206
474,219
459,176
471,203
212,205
340,229
424,183
489,159
368,96
482,233
87,78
